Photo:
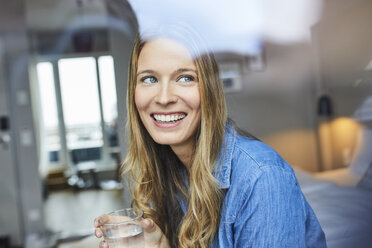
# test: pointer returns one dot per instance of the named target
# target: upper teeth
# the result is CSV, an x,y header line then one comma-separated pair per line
x,y
167,118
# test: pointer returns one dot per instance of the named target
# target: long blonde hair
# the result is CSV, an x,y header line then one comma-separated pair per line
x,y
158,177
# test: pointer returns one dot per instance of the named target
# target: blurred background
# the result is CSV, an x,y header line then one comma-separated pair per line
x,y
297,75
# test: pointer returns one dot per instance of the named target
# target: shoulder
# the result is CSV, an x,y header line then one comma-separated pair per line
x,y
244,160
260,178
256,158
259,175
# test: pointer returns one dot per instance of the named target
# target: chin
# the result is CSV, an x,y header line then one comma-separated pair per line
x,y
162,141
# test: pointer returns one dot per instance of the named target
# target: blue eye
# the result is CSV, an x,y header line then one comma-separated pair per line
x,y
186,79
148,80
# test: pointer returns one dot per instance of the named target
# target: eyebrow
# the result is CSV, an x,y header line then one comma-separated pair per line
x,y
145,72
180,70
185,70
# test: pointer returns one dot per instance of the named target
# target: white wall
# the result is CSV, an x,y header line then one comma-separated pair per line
x,y
9,189
277,104
20,189
345,49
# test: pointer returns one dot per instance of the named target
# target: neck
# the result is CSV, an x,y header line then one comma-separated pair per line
x,y
184,153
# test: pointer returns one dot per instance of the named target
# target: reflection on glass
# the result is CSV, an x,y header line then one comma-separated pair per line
x,y
79,90
49,130
108,91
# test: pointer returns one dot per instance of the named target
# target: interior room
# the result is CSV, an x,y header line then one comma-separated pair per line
x,y
304,87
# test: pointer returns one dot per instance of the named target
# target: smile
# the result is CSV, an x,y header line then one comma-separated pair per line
x,y
164,118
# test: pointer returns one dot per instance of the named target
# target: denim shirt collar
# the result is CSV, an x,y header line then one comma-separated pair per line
x,y
222,170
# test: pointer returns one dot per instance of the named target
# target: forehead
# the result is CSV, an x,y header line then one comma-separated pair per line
x,y
164,50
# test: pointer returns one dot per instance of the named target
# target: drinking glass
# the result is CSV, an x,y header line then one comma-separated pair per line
x,y
122,228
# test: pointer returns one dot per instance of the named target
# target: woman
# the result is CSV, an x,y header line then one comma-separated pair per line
x,y
199,182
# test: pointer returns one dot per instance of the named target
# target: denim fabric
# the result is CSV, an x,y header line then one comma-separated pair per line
x,y
263,204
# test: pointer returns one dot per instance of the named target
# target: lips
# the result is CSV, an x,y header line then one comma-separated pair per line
x,y
168,117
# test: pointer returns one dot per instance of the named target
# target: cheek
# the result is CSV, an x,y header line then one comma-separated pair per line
x,y
195,100
136,99
140,104
139,100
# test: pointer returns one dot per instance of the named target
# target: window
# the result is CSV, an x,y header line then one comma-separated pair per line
x,y
84,96
108,92
49,116
80,101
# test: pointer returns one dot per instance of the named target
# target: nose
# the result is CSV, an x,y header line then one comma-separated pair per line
x,y
165,94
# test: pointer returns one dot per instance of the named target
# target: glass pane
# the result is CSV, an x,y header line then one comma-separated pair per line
x,y
49,131
108,91
108,88
78,78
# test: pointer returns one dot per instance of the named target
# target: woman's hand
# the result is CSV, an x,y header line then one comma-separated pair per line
x,y
154,237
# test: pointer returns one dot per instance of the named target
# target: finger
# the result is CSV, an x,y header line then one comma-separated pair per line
x,y
148,225
98,233
101,220
103,244
153,233
96,222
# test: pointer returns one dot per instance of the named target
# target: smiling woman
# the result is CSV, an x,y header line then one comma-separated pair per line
x,y
170,79
200,182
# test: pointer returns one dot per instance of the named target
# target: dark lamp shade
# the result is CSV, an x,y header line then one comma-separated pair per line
x,y
324,106
83,41
4,123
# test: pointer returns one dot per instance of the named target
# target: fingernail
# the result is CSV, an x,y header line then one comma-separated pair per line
x,y
150,222
105,245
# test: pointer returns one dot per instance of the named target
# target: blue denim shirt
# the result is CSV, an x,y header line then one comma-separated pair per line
x,y
263,204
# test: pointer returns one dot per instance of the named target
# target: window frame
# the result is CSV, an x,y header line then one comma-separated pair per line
x,y
64,156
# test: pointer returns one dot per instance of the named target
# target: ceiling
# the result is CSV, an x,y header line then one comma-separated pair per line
x,y
57,15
